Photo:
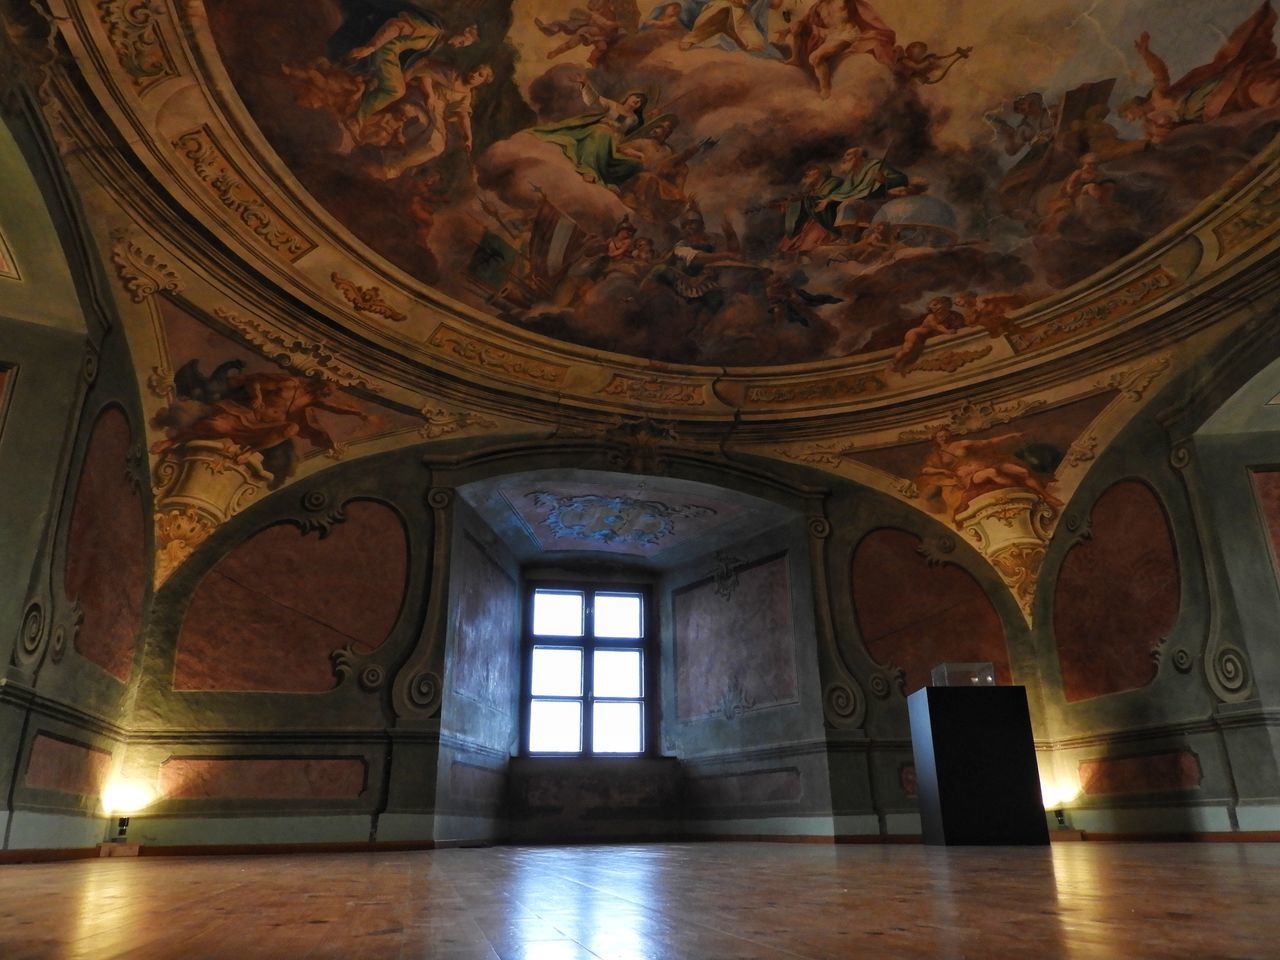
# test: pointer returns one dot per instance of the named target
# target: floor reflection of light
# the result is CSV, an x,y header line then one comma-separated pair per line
x,y
1082,893
108,912
604,907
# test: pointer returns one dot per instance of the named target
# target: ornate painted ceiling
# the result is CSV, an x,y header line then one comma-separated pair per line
x,y
946,250
657,519
756,183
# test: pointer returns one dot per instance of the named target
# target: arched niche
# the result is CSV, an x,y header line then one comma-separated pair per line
x,y
106,567
913,615
1117,595
271,612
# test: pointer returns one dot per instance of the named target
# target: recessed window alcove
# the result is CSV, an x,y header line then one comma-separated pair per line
x,y
717,584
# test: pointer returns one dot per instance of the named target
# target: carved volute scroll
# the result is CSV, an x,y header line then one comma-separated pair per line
x,y
418,690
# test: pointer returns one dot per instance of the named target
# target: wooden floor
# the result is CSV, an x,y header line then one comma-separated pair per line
x,y
738,901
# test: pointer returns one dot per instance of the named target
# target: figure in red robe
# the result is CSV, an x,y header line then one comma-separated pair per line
x,y
832,30
1243,75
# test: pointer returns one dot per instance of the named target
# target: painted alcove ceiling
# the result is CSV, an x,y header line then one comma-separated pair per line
x,y
1100,286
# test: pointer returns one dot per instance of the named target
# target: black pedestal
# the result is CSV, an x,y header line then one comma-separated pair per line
x,y
976,766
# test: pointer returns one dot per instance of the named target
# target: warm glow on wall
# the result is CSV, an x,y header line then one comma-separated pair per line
x,y
122,796
1059,791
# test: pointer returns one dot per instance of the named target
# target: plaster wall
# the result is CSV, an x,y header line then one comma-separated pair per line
x,y
741,690
60,711
290,759
35,279
479,713
1180,753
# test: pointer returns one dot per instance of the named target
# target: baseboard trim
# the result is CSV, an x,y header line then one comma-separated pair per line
x,y
1241,836
764,838
275,849
48,855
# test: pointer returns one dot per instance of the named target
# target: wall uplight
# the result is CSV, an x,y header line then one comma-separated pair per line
x,y
1059,792
126,797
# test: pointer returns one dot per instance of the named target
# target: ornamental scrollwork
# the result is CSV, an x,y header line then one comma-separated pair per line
x,y
31,635
366,299
425,691
309,359
134,32
143,274
210,164
843,704
439,422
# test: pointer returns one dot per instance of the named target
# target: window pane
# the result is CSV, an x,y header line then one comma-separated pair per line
x,y
617,673
555,726
557,672
616,728
557,613
618,616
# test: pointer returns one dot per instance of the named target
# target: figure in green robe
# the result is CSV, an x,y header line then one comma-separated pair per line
x,y
861,179
393,48
590,140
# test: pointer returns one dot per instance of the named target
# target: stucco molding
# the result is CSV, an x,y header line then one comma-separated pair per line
x,y
142,272
366,299
439,422
200,149
844,705
311,358
417,691
133,31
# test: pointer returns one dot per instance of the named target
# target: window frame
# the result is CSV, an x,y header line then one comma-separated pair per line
x,y
647,644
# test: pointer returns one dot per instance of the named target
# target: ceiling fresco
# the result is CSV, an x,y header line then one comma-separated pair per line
x,y
660,519
946,251
755,183
631,521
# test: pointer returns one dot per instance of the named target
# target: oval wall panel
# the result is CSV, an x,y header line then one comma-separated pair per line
x,y
106,570
1117,595
270,613
914,616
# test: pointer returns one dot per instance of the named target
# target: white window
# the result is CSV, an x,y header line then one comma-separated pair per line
x,y
586,664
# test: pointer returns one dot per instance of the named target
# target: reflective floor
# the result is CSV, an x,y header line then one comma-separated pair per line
x,y
738,901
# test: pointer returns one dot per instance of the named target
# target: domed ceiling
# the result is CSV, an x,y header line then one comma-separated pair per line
x,y
944,250
727,182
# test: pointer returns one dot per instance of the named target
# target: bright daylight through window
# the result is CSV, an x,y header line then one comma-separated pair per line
x,y
586,668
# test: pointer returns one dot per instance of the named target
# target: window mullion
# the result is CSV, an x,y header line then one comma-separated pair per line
x,y
589,691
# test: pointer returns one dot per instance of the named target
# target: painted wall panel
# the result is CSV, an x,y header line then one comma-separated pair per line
x,y
1266,488
735,644
316,778
106,567
66,767
755,787
1150,773
1117,595
270,613
913,616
